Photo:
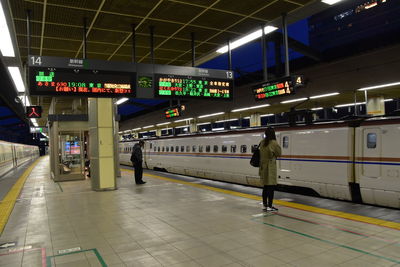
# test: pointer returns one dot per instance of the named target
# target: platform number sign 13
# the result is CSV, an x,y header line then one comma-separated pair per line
x,y
33,112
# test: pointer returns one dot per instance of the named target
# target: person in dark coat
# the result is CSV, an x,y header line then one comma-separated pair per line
x,y
269,151
137,161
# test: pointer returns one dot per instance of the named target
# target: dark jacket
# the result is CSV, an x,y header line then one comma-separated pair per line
x,y
137,155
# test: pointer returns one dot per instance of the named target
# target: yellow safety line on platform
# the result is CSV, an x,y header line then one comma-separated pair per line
x,y
340,214
7,204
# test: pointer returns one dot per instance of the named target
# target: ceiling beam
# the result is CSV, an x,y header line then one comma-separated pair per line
x,y
224,30
136,27
43,25
181,28
91,25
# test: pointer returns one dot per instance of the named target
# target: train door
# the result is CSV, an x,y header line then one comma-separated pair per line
x,y
285,165
371,152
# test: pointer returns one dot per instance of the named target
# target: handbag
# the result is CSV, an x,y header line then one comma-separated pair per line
x,y
255,158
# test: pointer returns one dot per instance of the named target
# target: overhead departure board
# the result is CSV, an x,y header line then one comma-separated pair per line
x,y
180,86
281,87
64,82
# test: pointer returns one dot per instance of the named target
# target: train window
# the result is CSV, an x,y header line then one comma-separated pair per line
x,y
371,140
201,149
224,148
182,149
158,149
208,148
193,148
187,148
172,149
285,142
167,148
177,148
243,149
233,148
155,148
151,145
253,148
215,149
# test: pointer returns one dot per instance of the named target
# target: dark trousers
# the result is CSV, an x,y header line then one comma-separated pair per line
x,y
138,172
268,195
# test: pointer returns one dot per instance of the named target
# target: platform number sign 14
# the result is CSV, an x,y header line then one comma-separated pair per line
x,y
33,112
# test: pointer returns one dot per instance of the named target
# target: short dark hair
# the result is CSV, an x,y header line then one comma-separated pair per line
x,y
141,142
269,135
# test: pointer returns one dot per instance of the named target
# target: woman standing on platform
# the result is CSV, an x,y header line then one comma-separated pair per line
x,y
269,151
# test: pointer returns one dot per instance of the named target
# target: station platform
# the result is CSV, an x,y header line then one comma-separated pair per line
x,y
174,220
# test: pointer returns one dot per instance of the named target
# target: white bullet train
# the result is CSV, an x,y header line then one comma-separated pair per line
x,y
13,155
350,160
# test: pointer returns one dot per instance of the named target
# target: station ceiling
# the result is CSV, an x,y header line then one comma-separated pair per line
x,y
57,26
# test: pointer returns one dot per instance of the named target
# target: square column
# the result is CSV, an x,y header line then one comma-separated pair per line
x,y
102,144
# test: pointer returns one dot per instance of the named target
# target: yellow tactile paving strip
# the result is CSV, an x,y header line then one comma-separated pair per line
x,y
7,204
340,214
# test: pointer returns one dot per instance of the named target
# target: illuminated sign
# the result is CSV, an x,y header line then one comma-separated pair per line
x,y
281,87
64,82
145,82
33,112
193,87
174,112
38,130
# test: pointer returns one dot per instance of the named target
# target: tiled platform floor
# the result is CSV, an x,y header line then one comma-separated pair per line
x,y
164,223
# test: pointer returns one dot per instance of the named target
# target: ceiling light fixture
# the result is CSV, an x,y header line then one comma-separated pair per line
x,y
17,79
164,123
149,126
324,95
246,39
349,105
187,119
320,108
254,107
226,120
122,100
267,115
379,86
211,115
388,100
203,123
136,129
294,100
331,2
6,45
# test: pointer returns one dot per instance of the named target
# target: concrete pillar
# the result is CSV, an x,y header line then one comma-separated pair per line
x,y
158,132
103,144
255,120
375,106
193,127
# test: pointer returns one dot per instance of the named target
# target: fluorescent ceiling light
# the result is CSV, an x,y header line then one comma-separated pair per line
x,y
317,108
267,115
253,107
387,100
294,100
246,118
210,115
331,2
246,39
143,132
218,129
6,46
34,121
379,86
324,95
122,100
226,120
187,119
203,123
17,79
149,126
181,126
136,129
349,105
164,123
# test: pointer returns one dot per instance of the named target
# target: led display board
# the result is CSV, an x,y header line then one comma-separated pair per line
x,y
33,112
174,112
65,82
280,87
193,87
38,130
54,76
